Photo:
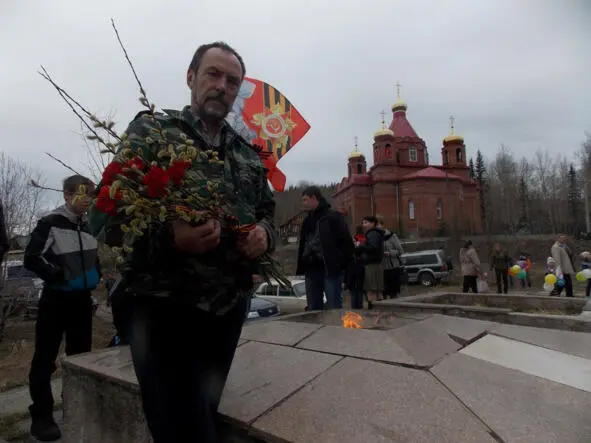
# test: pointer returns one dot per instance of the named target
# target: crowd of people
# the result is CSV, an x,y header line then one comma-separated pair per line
x,y
368,263
560,269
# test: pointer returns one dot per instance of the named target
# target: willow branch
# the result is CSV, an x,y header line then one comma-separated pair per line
x,y
61,162
34,184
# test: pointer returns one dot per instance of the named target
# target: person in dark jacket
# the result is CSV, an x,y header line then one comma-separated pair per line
x,y
392,261
325,251
64,255
355,273
500,262
372,253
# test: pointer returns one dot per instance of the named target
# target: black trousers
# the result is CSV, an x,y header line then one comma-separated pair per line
x,y
568,285
502,277
182,356
392,282
59,314
122,310
470,282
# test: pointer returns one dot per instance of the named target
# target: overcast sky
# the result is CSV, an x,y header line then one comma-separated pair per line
x,y
513,72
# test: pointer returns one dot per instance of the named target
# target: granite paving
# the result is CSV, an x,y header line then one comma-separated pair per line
x,y
279,332
542,362
519,407
425,344
364,343
464,329
574,343
263,374
364,401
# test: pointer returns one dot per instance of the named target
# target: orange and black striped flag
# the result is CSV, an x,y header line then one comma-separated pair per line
x,y
265,117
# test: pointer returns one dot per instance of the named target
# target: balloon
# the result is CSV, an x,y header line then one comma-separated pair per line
x,y
560,283
521,275
551,279
586,273
516,269
581,276
548,287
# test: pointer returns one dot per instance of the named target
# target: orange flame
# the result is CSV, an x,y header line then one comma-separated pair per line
x,y
352,320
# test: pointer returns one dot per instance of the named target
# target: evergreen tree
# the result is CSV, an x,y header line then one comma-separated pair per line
x,y
472,170
574,199
480,176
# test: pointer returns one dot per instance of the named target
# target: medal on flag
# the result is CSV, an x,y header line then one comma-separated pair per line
x,y
269,121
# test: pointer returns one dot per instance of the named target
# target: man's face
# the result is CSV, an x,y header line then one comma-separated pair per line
x,y
498,247
562,239
215,84
367,225
309,203
79,201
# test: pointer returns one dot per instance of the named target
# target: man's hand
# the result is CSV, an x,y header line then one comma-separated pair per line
x,y
255,244
198,239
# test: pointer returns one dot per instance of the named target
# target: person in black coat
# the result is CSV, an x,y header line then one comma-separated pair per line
x,y
355,273
325,251
372,253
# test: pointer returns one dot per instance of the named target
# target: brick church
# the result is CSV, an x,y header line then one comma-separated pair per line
x,y
415,197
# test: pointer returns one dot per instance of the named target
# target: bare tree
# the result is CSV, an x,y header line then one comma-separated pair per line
x,y
21,201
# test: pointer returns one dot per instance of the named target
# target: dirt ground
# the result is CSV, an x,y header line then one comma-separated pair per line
x,y
16,350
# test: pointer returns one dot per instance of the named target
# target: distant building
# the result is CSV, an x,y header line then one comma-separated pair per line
x,y
413,196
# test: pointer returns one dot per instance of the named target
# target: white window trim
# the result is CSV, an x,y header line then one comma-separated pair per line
x,y
412,150
411,210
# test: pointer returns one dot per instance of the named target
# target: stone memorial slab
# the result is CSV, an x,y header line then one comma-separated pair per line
x,y
425,344
364,401
517,406
362,343
465,329
112,362
263,374
278,332
552,365
569,342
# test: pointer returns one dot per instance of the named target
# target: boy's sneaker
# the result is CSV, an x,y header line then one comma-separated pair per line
x,y
45,429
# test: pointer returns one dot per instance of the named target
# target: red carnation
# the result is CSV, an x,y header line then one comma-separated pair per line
x,y
111,172
156,180
177,171
137,162
105,203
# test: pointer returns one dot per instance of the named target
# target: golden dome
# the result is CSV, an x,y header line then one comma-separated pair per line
x,y
399,105
355,153
452,137
384,131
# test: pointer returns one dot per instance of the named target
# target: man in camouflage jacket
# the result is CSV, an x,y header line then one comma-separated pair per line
x,y
190,285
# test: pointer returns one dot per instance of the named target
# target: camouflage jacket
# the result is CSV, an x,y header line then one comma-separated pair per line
x,y
214,281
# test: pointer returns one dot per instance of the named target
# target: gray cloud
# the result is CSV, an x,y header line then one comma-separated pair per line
x,y
511,72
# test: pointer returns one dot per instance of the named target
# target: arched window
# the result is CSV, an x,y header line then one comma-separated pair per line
x,y
349,170
459,155
439,209
412,154
388,151
359,168
411,210
445,158
397,157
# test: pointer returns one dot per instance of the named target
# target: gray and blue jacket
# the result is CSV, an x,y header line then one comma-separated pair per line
x,y
63,253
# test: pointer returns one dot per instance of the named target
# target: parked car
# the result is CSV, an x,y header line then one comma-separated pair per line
x,y
427,267
290,300
260,308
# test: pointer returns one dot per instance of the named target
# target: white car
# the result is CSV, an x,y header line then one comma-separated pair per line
x,y
289,300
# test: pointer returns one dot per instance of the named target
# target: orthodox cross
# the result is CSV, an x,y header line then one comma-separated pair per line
x,y
451,122
383,114
355,139
398,85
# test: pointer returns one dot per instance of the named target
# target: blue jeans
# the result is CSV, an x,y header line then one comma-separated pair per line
x,y
318,285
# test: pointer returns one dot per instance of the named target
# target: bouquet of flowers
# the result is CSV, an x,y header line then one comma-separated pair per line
x,y
166,179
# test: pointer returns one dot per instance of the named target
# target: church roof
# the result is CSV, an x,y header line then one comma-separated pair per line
x,y
431,173
401,126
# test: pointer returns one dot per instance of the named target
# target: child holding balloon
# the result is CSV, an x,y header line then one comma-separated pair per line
x,y
586,271
553,275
